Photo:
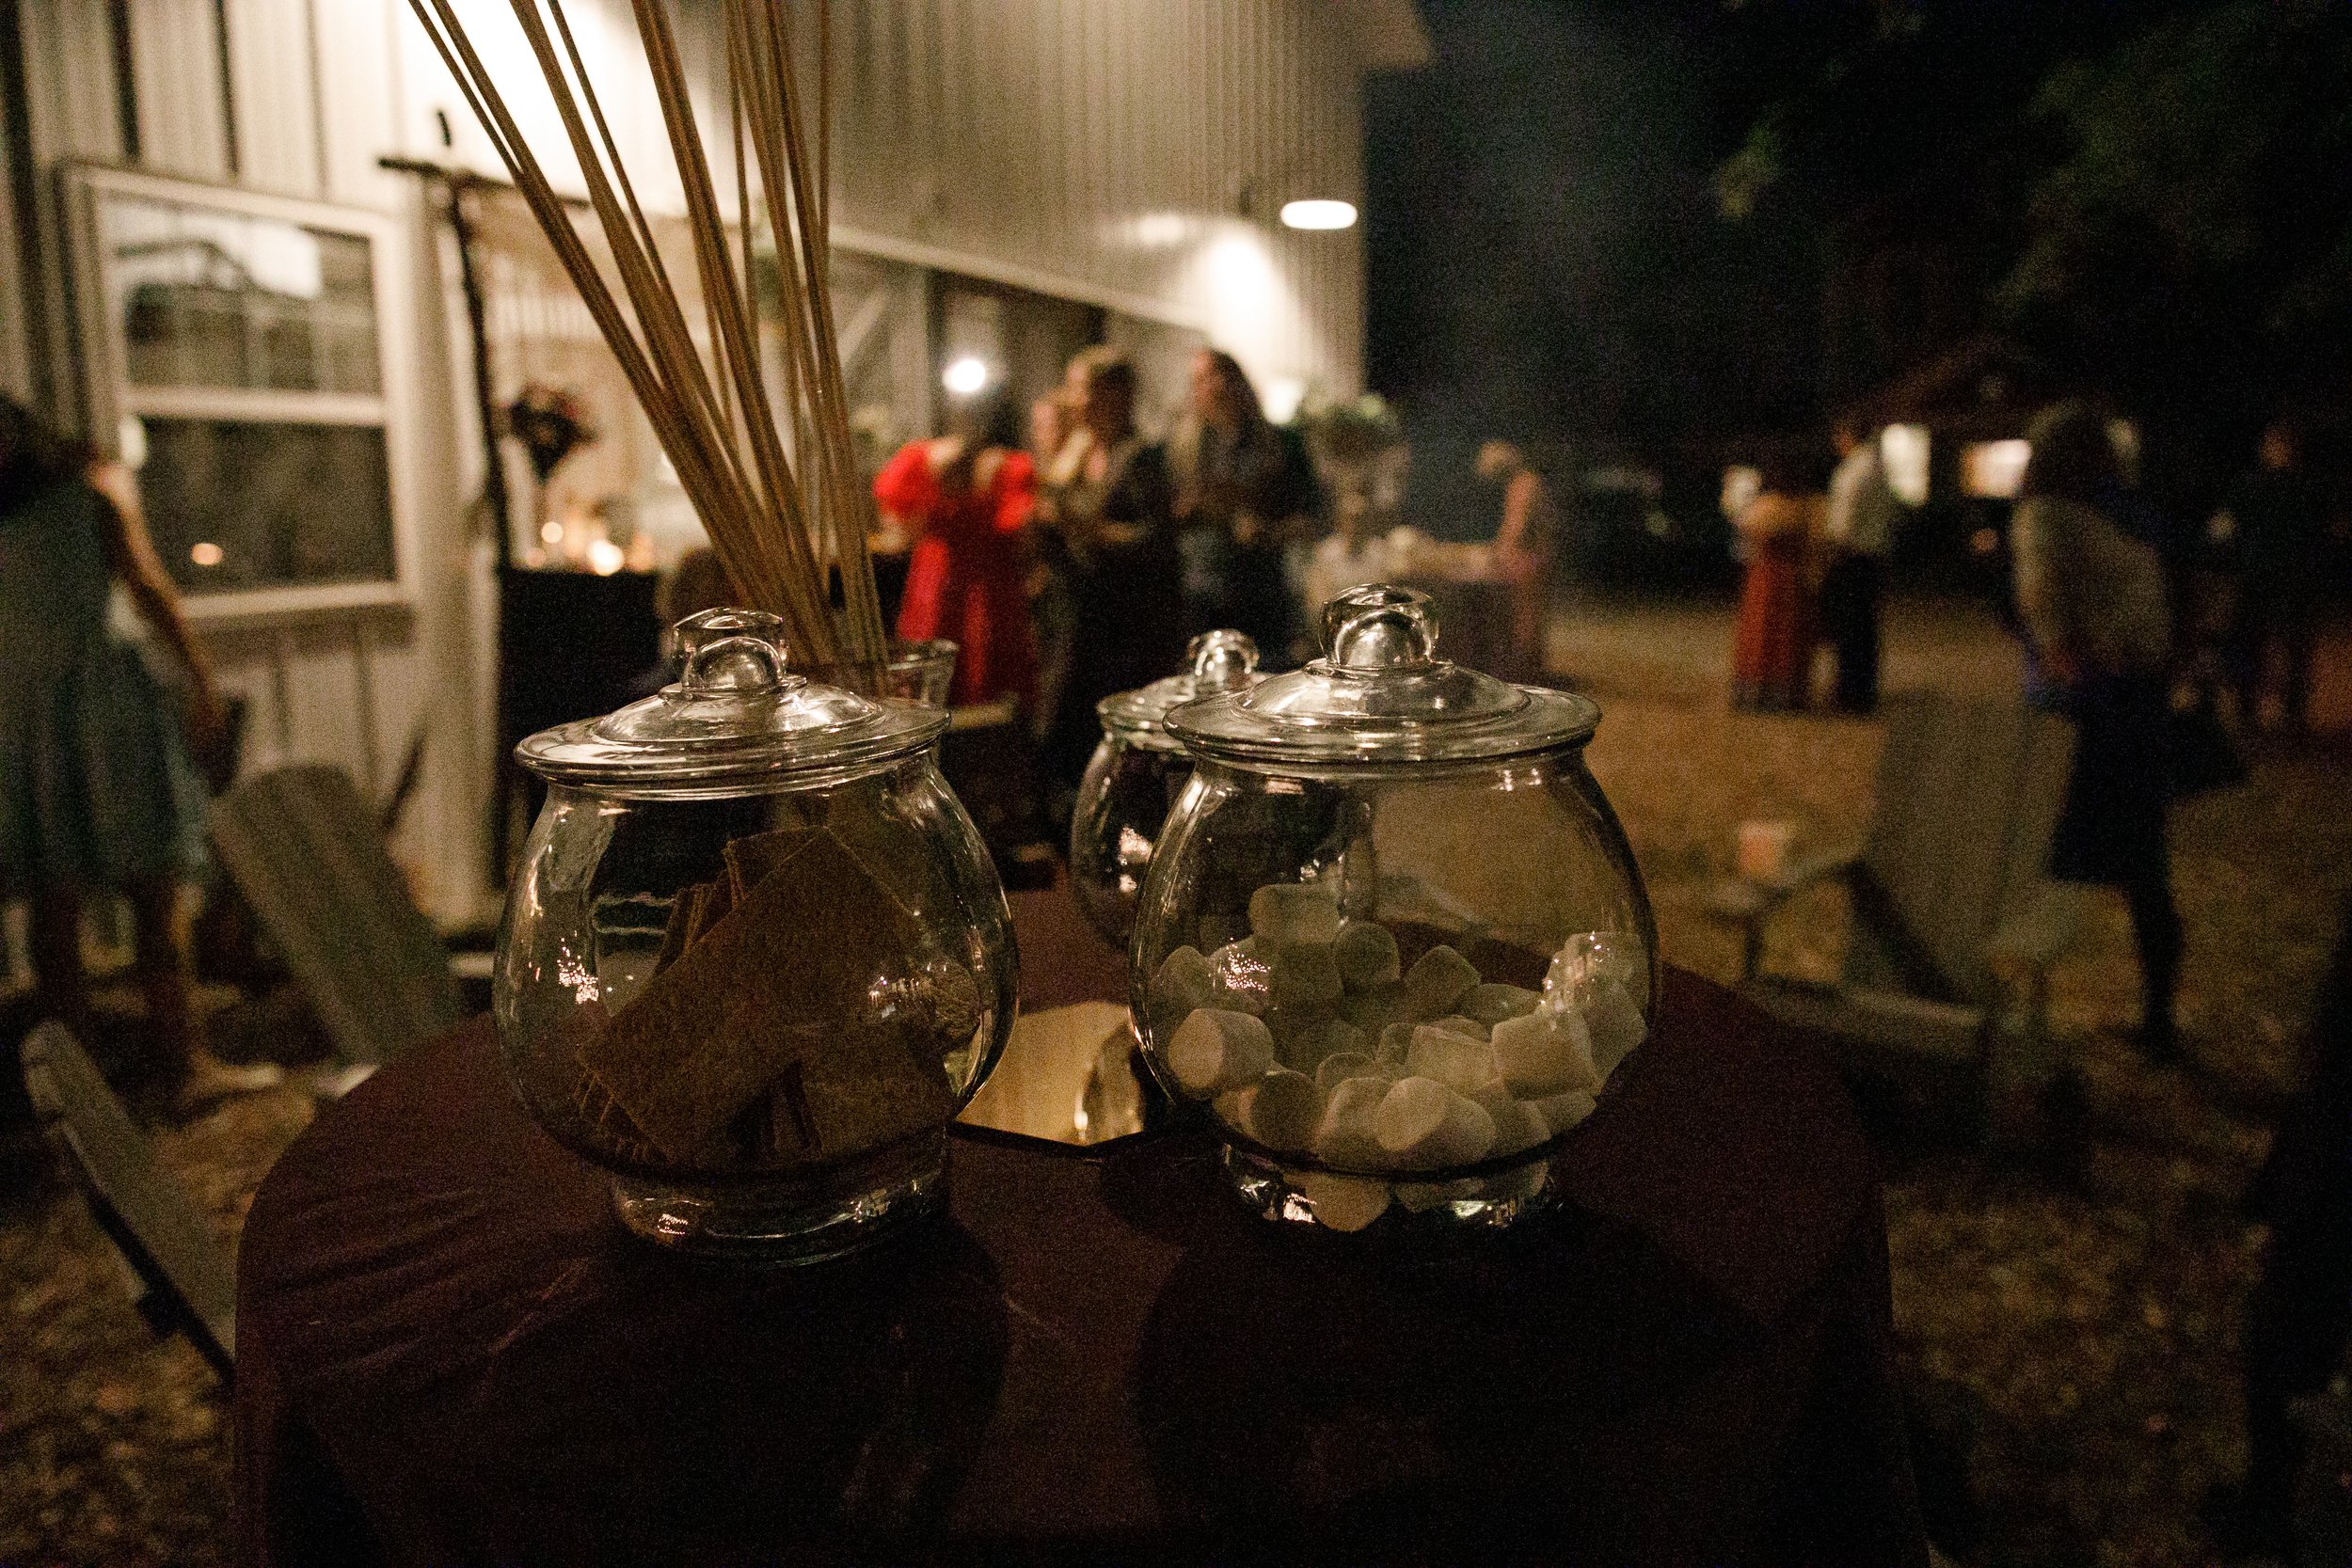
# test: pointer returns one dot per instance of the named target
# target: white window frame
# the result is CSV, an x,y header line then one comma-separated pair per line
x,y
109,396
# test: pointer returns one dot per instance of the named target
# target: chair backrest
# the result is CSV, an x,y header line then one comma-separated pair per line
x,y
305,851
1968,792
147,1215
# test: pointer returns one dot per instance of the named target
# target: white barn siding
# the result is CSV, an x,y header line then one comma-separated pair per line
x,y
1124,153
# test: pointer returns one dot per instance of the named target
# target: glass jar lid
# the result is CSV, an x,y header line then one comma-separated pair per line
x,y
1380,694
1220,661
734,717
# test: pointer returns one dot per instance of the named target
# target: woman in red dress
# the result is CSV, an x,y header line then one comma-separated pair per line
x,y
966,497
1772,663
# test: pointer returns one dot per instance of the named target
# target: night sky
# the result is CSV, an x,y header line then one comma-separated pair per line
x,y
1546,262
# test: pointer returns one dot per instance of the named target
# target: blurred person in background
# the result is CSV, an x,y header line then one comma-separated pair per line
x,y
2271,528
1771,662
1857,528
1246,490
2091,594
100,788
1104,534
965,499
1526,543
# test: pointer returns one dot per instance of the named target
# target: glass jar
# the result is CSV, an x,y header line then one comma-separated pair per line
x,y
756,957
922,672
1134,776
1394,944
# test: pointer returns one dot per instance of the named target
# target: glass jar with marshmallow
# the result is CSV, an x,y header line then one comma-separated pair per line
x,y
1393,941
1134,776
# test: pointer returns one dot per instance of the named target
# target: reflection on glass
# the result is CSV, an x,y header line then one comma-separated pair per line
x,y
235,504
211,298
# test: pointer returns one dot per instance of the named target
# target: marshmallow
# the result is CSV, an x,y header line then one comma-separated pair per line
x,y
1343,1202
1345,1137
1340,1066
1281,1109
1421,1124
1242,978
1187,980
1461,1062
1420,1197
1217,1049
1437,981
1367,954
1295,913
1562,1111
1518,1126
1303,1040
1491,1003
1545,1053
1301,974
1615,1025
1591,959
1397,1041
1456,1024
1374,1008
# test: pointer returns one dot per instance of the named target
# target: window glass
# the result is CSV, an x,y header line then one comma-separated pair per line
x,y
240,504
215,298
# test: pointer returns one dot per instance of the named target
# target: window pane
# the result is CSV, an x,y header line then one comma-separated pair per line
x,y
213,298
239,505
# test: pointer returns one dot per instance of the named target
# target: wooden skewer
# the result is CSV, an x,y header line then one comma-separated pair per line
x,y
772,473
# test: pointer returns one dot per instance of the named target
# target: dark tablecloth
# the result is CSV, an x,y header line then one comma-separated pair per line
x,y
449,1353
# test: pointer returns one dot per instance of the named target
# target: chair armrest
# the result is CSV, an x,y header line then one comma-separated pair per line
x,y
1808,870
1744,900
1748,902
2035,934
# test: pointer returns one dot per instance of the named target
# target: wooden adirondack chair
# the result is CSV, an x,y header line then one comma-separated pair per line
x,y
1956,924
305,852
186,1285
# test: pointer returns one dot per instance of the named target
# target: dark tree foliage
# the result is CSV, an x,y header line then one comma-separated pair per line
x,y
2155,196
2194,236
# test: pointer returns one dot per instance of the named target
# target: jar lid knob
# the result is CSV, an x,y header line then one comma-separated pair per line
x,y
1221,660
732,650
1380,626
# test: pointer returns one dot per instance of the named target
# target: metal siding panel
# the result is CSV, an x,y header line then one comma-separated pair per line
x,y
69,79
274,89
175,65
356,82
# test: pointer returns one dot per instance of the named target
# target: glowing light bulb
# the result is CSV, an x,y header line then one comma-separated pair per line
x,y
962,377
1319,214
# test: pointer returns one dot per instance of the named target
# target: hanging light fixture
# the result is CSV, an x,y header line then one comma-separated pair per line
x,y
1319,214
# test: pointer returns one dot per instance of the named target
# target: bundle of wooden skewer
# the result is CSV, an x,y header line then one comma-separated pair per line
x,y
771,469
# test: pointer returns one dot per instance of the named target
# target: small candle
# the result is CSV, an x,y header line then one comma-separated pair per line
x,y
1763,849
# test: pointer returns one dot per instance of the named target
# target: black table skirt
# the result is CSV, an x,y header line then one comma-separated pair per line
x,y
448,1352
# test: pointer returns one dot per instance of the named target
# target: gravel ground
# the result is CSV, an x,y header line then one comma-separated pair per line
x,y
2072,1340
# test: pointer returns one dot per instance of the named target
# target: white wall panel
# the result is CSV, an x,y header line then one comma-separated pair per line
x,y
360,86
175,69
70,80
273,91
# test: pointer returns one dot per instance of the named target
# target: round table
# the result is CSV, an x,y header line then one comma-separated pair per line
x,y
448,1352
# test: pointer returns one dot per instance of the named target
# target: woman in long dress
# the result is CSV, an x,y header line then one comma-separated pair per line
x,y
1246,491
1106,535
2092,596
99,788
1772,657
966,497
